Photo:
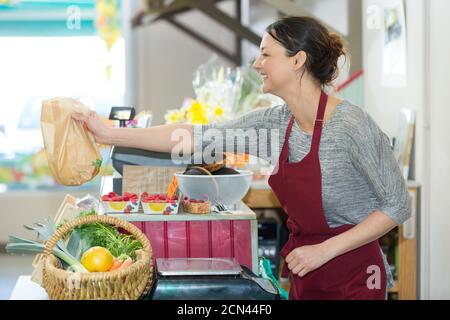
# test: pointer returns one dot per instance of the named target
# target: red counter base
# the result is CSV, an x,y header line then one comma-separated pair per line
x,y
200,239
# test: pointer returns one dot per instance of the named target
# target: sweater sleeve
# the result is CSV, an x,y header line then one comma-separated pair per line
x,y
256,133
372,156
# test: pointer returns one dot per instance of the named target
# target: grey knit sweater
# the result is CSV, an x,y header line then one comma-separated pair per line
x,y
359,171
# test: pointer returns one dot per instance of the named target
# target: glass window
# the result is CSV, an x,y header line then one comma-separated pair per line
x,y
36,68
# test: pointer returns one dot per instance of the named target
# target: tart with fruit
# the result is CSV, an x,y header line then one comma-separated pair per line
x,y
126,203
159,203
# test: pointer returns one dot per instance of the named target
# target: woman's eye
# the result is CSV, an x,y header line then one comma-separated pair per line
x,y
265,55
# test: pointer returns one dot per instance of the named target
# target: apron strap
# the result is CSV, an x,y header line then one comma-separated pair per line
x,y
284,150
318,124
317,128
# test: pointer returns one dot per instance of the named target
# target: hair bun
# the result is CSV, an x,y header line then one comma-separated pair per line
x,y
336,46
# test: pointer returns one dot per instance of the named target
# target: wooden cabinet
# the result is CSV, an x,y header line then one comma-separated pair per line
x,y
408,249
405,286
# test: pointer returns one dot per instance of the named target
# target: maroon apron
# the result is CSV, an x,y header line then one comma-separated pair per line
x,y
298,187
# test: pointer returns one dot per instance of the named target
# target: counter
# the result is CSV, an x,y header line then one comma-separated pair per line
x,y
186,235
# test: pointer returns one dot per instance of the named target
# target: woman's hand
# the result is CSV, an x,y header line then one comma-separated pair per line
x,y
303,260
95,125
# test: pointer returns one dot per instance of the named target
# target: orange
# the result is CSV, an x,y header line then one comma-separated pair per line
x,y
97,259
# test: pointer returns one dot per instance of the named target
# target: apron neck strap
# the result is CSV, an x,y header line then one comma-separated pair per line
x,y
322,105
284,150
318,124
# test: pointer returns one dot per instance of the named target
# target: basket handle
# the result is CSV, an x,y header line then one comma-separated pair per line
x,y
212,176
60,232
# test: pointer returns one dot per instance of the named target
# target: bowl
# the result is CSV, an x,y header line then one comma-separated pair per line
x,y
220,189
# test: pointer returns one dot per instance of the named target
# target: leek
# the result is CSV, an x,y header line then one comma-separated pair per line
x,y
45,231
30,247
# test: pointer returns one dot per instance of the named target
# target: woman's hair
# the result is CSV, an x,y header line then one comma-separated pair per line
x,y
322,48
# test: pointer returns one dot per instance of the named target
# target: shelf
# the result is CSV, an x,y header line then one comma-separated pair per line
x,y
242,212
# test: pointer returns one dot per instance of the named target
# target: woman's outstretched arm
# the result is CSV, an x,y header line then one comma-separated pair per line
x,y
164,138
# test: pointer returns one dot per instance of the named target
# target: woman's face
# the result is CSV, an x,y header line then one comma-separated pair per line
x,y
275,67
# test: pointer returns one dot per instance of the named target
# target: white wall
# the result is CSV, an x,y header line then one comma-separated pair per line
x,y
333,12
384,103
439,68
19,208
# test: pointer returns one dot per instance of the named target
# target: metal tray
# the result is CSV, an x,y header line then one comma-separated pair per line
x,y
197,266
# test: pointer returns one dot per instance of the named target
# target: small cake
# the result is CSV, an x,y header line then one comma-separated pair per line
x,y
196,206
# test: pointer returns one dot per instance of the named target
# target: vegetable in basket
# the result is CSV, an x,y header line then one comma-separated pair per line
x,y
45,231
97,259
106,236
78,242
121,262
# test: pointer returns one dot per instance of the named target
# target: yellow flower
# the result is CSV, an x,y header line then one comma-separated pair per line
x,y
174,116
196,107
197,113
198,118
218,111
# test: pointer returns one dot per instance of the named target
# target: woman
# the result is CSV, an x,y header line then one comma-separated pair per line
x,y
336,176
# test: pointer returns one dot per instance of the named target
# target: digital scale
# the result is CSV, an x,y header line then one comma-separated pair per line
x,y
208,279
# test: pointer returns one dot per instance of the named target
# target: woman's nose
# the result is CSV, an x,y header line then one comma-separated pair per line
x,y
256,64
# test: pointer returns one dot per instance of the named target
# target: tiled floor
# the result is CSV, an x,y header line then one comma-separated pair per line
x,y
11,267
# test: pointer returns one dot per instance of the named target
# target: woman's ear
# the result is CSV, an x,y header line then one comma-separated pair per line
x,y
299,60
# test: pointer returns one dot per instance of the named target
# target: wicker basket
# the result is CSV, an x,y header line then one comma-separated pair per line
x,y
203,207
129,283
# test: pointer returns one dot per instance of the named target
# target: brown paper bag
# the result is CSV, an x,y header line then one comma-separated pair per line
x,y
72,152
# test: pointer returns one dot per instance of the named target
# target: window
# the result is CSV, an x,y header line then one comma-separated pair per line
x,y
38,68
42,58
